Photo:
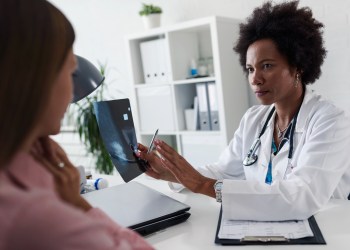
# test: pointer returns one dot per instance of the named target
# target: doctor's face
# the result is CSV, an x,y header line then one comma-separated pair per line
x,y
270,76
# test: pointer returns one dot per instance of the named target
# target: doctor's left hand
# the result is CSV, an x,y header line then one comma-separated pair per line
x,y
184,172
156,168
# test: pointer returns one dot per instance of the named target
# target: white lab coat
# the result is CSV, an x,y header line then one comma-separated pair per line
x,y
321,165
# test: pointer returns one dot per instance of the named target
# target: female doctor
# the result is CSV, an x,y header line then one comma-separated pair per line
x,y
289,155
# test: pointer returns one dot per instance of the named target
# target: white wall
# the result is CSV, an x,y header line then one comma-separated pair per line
x,y
101,26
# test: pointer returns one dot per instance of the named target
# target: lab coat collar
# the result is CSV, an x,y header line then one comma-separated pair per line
x,y
267,112
309,99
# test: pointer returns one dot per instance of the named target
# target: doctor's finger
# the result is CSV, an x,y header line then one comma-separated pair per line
x,y
144,156
176,171
172,156
165,146
142,147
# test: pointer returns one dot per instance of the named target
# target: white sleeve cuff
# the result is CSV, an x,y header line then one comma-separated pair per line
x,y
176,187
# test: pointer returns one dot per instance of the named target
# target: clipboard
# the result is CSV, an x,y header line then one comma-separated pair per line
x,y
317,239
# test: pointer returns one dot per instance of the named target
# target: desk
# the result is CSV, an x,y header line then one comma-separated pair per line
x,y
198,232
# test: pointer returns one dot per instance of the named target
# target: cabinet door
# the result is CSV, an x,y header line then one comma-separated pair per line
x,y
155,108
200,150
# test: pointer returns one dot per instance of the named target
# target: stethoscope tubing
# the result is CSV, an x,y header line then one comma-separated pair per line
x,y
252,157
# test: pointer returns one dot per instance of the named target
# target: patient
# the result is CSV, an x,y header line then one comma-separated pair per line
x,y
40,205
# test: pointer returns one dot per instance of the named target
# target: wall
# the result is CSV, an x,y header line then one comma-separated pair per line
x,y
101,26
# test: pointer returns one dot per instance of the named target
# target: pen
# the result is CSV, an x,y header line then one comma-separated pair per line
x,y
152,141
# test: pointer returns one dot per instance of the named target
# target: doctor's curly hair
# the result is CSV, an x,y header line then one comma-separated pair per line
x,y
297,35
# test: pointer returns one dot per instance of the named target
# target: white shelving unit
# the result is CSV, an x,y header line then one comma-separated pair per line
x,y
162,104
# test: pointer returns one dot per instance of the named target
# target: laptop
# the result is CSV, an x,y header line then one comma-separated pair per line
x,y
116,126
139,207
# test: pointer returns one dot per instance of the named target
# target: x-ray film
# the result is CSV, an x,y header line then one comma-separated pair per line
x,y
117,130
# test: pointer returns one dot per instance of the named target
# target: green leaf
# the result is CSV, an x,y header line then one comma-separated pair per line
x,y
148,9
88,130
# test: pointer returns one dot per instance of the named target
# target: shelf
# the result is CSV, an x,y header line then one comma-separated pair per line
x,y
178,82
150,34
150,85
195,80
170,139
198,132
160,62
191,43
182,132
159,133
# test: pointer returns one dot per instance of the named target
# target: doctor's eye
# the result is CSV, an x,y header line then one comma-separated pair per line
x,y
249,70
267,65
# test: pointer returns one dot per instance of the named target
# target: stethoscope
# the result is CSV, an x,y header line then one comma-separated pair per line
x,y
252,157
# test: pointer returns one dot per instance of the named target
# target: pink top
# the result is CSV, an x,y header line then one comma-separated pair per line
x,y
32,216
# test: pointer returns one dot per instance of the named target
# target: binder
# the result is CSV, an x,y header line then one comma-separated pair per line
x,y
317,239
196,113
162,71
154,61
203,106
147,56
213,106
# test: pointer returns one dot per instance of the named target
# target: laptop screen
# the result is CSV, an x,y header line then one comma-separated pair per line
x,y
117,130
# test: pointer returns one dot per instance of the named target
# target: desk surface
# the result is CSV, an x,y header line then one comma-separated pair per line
x,y
198,232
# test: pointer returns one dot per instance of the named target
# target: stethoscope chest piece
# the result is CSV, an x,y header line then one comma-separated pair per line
x,y
250,160
252,156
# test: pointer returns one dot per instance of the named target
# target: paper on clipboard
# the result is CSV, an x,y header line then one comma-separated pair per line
x,y
234,229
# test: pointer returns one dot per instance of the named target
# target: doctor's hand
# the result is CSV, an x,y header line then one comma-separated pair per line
x,y
67,179
156,168
183,171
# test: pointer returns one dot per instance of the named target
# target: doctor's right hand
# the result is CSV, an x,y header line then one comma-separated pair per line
x,y
156,169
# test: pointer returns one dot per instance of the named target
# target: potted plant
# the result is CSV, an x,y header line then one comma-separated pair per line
x,y
150,15
89,132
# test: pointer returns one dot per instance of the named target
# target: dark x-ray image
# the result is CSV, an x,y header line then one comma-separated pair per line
x,y
117,129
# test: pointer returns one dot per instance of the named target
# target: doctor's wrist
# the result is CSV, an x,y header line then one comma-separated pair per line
x,y
206,187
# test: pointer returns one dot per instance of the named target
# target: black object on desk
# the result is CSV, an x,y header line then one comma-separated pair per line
x,y
277,240
117,130
139,207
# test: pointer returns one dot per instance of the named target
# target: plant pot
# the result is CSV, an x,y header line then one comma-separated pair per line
x,y
151,21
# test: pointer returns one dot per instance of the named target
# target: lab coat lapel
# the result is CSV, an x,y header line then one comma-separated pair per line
x,y
258,171
266,140
265,151
280,163
309,99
